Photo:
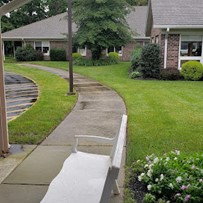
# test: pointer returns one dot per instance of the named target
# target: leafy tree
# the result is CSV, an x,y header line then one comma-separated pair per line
x,y
101,24
56,7
137,2
29,13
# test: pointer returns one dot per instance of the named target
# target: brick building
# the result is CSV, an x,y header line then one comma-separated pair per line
x,y
177,26
52,33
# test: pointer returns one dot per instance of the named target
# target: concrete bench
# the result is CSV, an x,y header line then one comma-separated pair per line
x,y
89,178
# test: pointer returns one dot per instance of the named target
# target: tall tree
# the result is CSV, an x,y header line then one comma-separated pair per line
x,y
34,11
101,24
56,7
137,2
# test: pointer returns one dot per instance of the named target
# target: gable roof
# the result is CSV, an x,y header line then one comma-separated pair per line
x,y
137,19
177,13
56,27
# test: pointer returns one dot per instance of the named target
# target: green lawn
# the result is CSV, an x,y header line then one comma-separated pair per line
x,y
163,115
50,109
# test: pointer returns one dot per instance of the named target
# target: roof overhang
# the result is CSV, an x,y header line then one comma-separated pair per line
x,y
31,38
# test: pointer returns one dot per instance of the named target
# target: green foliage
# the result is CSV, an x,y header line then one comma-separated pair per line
x,y
173,177
76,56
136,58
28,54
137,2
56,7
58,55
192,70
89,62
170,74
135,74
113,58
100,28
32,12
151,61
149,198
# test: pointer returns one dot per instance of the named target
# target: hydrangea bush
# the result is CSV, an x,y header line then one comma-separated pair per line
x,y
173,177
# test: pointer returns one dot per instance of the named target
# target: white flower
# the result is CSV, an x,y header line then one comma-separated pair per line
x,y
171,186
156,160
156,180
175,158
178,179
149,173
138,161
161,177
146,166
149,187
177,152
141,176
167,158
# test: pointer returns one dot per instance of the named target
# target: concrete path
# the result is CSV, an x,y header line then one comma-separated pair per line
x,y
98,112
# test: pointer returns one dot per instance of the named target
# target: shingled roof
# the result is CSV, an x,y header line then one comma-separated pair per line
x,y
56,27
177,13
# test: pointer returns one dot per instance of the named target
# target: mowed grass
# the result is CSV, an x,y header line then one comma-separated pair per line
x,y
50,109
162,115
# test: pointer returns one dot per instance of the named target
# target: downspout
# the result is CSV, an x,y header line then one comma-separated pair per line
x,y
166,48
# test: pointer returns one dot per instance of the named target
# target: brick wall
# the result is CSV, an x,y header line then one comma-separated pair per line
x,y
173,51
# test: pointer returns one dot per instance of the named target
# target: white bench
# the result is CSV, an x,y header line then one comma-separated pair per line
x,y
89,178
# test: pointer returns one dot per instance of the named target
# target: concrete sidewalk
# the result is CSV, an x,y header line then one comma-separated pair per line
x,y
98,112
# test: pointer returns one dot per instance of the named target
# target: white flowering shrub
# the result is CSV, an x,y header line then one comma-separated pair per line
x,y
173,177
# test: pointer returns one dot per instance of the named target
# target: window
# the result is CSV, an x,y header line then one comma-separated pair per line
x,y
43,46
191,46
82,51
191,49
118,49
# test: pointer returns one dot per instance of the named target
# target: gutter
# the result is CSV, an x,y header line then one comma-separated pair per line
x,y
166,48
178,26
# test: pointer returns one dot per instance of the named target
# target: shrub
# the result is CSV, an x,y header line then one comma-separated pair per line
x,y
170,74
58,55
113,58
39,55
28,53
135,74
151,61
76,56
136,58
173,177
192,70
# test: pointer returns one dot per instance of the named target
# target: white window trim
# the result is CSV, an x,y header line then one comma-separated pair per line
x,y
189,58
83,52
47,45
114,49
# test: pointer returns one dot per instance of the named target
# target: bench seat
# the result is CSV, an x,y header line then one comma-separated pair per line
x,y
86,173
86,177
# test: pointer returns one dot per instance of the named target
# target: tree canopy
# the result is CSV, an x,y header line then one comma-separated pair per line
x,y
101,24
34,11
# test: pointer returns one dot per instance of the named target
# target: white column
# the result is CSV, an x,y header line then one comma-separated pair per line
x,y
166,49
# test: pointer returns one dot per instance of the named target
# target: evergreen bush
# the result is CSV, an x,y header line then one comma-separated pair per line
x,y
170,74
113,58
136,58
151,61
28,53
192,70
58,55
